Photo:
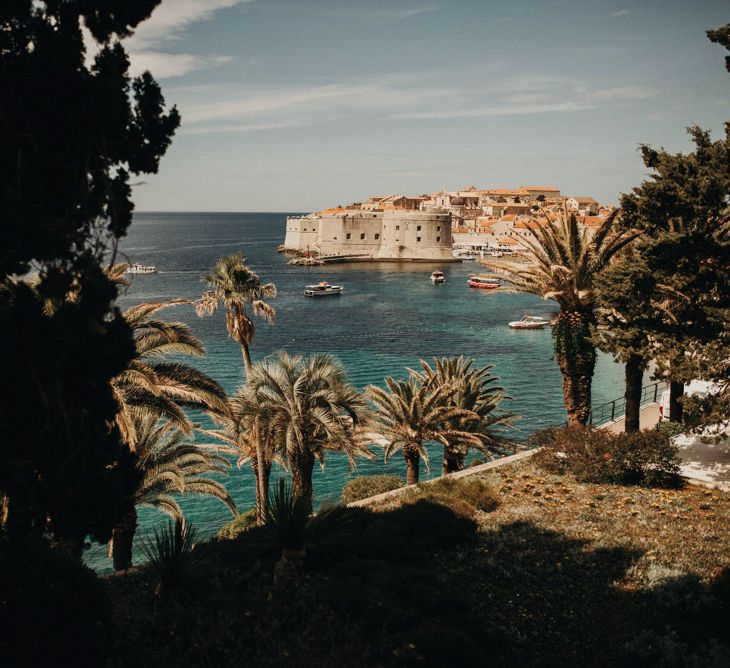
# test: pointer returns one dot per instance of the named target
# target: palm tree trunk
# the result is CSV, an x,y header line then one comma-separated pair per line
x,y
258,463
122,540
246,353
676,390
302,465
576,358
635,366
453,461
262,487
413,458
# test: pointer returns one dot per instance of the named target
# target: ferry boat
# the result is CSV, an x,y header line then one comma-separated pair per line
x,y
438,277
322,289
482,283
529,322
142,269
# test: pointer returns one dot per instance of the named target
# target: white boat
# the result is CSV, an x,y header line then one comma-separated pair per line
x,y
142,269
483,283
322,289
438,277
529,322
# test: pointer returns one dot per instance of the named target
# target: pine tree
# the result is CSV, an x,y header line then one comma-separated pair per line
x,y
72,134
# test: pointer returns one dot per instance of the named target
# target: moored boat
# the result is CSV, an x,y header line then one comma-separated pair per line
x,y
483,283
141,269
529,322
322,289
438,277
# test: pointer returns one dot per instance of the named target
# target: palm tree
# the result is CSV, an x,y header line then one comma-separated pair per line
x,y
169,466
235,285
473,390
307,407
564,260
411,413
153,385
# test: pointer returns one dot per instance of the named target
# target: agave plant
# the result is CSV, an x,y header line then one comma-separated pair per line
x,y
170,465
564,260
410,414
473,390
171,555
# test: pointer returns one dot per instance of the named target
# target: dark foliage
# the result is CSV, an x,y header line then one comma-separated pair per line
x,y
597,455
53,610
62,466
71,136
171,556
417,586
369,485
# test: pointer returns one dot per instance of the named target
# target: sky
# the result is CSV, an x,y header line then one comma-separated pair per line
x,y
298,105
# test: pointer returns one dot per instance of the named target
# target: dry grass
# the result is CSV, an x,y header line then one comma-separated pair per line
x,y
685,530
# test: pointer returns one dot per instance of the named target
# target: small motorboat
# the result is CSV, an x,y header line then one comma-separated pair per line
x,y
530,322
483,283
438,277
141,269
322,289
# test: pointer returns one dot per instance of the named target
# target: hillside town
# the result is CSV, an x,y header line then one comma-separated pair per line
x,y
439,226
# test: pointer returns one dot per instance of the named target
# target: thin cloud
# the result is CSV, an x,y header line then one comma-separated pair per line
x,y
243,127
168,65
485,112
620,12
623,93
360,14
169,24
170,21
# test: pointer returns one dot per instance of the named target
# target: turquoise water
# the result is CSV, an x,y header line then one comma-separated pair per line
x,y
388,317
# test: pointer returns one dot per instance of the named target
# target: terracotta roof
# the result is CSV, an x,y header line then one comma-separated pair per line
x,y
505,191
507,240
585,200
332,210
594,220
544,189
509,217
527,224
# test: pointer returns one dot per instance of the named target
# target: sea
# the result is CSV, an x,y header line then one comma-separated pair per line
x,y
388,317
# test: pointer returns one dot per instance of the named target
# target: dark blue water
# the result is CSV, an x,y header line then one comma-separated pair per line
x,y
389,316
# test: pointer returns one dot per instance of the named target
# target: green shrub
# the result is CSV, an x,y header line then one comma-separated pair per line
x,y
464,496
238,525
366,486
597,455
670,428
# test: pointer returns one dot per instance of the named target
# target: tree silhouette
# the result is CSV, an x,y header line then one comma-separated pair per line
x,y
73,131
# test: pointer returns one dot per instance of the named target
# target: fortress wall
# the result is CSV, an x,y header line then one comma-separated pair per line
x,y
402,237
302,233
351,234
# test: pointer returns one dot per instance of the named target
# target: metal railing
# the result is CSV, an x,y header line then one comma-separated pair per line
x,y
613,410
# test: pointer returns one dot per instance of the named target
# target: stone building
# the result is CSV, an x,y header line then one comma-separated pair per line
x,y
378,235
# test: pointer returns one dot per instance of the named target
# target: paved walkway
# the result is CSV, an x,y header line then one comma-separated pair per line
x,y
648,419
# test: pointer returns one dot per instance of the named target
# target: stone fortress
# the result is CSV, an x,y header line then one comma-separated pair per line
x,y
434,227
372,235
